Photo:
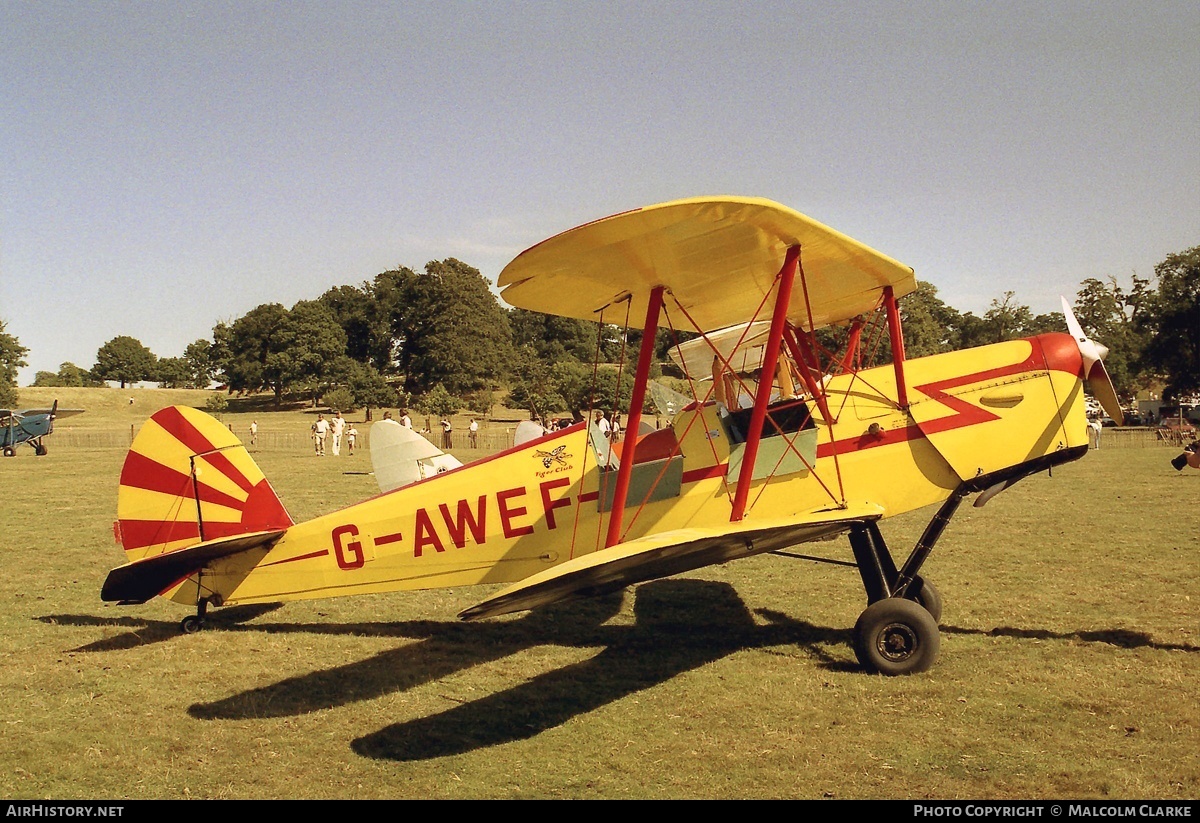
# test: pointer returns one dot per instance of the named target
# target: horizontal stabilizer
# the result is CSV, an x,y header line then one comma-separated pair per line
x,y
143,579
663,555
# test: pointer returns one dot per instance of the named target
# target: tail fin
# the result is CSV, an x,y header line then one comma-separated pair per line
x,y
400,456
188,479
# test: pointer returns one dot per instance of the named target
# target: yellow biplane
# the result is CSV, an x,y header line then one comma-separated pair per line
x,y
782,440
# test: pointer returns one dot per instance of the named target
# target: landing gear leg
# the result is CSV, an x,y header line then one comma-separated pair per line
x,y
195,622
898,632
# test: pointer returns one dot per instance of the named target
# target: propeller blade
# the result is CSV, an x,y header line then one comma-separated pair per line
x,y
1102,389
1094,373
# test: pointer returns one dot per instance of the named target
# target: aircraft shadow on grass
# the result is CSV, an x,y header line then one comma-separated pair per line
x,y
680,625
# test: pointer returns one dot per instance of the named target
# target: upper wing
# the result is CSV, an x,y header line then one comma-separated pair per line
x,y
662,555
57,412
718,257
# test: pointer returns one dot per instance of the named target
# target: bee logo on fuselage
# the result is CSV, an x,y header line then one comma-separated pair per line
x,y
558,456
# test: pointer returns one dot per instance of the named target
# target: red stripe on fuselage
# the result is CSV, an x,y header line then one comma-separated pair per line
x,y
965,413
968,413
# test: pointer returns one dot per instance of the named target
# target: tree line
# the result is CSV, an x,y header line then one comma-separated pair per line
x,y
439,340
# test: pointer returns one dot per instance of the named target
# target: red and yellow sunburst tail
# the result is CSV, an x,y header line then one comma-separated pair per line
x,y
187,479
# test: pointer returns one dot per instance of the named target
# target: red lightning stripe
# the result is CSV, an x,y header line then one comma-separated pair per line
x,y
965,413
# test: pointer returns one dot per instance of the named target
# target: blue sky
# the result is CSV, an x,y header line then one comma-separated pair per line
x,y
167,166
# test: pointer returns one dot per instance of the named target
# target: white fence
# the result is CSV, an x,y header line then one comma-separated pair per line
x,y
491,440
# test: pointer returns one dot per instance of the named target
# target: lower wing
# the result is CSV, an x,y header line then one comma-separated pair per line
x,y
662,555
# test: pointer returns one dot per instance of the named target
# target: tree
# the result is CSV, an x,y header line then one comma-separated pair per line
x,y
551,338
174,373
274,348
12,359
534,388
201,360
1172,324
365,320
929,324
240,348
362,383
125,360
340,399
437,401
447,327
307,344
1007,319
581,393
68,374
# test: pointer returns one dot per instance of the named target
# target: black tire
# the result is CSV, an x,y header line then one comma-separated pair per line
x,y
895,636
926,594
191,624
40,450
9,451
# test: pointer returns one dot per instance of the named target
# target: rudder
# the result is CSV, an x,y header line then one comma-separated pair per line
x,y
187,478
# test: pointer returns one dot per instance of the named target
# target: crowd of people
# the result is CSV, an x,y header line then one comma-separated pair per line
x,y
333,432
328,435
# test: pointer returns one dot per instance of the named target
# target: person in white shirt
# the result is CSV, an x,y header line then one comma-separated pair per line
x,y
603,424
337,427
320,432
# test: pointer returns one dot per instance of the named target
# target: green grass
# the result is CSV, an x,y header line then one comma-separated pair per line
x,y
1070,663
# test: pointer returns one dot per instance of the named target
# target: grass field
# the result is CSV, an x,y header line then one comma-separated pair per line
x,y
1070,661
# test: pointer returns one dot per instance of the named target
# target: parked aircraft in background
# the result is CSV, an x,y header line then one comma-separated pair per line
x,y
31,426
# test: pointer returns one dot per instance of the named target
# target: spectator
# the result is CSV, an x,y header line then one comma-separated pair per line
x,y
337,428
320,433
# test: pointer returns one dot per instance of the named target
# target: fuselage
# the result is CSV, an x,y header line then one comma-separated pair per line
x,y
15,430
970,413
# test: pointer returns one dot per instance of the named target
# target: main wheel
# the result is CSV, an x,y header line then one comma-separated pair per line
x,y
191,624
926,594
895,636
40,450
9,451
